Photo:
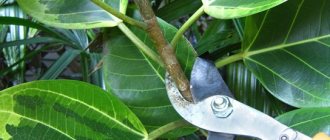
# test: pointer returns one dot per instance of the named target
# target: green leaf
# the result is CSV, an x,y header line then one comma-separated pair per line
x,y
65,109
28,23
218,35
12,33
60,64
139,81
77,38
72,14
227,9
308,120
95,71
247,89
288,49
177,9
30,41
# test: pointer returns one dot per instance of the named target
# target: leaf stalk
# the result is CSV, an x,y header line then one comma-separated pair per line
x,y
186,26
166,128
227,60
120,15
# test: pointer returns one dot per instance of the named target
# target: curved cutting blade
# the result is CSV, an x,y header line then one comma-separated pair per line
x,y
206,81
207,85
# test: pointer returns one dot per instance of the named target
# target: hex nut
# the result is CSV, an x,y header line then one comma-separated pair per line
x,y
221,107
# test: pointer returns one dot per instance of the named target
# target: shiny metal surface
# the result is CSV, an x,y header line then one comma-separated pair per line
x,y
205,75
205,81
244,120
219,136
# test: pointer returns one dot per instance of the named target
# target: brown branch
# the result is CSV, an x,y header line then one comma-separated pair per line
x,y
164,48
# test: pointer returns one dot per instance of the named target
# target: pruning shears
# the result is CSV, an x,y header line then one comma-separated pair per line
x,y
214,109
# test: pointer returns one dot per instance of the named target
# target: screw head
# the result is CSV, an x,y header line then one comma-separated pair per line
x,y
284,137
221,106
219,103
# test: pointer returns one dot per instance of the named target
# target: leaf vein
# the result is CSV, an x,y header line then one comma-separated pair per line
x,y
308,65
278,75
37,121
307,121
89,106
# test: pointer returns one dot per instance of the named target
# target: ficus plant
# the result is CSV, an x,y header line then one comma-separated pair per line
x,y
273,54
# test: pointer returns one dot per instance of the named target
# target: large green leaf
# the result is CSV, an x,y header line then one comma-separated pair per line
x,y
139,81
308,121
247,89
288,49
178,8
226,9
72,14
64,109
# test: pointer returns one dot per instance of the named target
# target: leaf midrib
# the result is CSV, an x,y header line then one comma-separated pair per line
x,y
247,54
307,64
289,82
308,121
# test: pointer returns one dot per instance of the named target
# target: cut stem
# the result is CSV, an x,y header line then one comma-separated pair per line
x,y
143,47
164,49
168,127
119,15
186,26
230,59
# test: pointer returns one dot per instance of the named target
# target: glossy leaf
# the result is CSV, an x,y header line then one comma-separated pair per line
x,y
139,81
227,9
288,49
309,121
72,14
178,8
64,109
248,90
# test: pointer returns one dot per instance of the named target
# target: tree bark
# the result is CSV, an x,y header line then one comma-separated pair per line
x,y
164,49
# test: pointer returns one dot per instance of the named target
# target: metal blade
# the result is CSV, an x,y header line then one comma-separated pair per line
x,y
219,136
206,81
242,120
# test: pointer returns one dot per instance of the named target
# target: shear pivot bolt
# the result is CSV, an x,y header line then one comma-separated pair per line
x,y
220,103
284,137
221,106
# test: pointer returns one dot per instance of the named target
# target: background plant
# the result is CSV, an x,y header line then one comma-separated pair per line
x,y
274,58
